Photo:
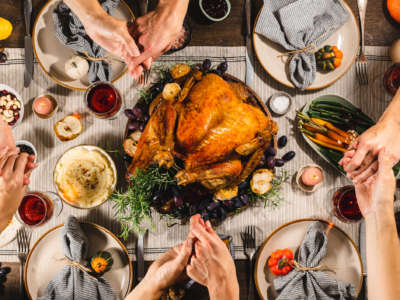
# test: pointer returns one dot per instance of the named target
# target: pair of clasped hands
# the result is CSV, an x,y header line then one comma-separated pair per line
x,y
138,43
203,257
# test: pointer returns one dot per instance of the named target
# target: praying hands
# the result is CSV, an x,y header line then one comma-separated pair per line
x,y
139,43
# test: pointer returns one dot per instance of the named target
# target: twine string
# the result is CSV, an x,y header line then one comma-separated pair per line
x,y
78,265
105,58
310,48
298,266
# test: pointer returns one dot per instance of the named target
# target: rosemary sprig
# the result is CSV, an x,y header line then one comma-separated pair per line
x,y
272,198
146,96
133,208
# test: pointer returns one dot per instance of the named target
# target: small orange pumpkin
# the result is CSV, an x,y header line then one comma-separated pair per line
x,y
101,262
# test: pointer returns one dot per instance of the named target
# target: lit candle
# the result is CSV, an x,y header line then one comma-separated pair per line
x,y
43,105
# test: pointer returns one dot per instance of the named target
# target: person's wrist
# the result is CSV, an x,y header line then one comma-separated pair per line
x,y
226,288
148,289
174,11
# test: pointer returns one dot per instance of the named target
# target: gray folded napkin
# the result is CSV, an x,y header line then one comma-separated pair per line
x,y
294,24
312,285
70,32
72,283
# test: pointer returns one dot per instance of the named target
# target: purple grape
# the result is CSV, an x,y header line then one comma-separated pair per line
x,y
204,215
178,201
270,162
133,125
212,206
146,118
222,67
279,162
129,114
262,161
237,203
245,199
271,151
222,213
137,112
243,185
282,141
141,127
206,64
157,199
289,156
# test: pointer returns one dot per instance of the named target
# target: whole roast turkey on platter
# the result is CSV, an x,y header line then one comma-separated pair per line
x,y
208,123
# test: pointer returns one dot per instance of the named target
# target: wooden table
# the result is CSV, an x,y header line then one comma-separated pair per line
x,y
381,31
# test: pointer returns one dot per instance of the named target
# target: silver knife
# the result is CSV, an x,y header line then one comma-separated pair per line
x,y
28,75
140,257
249,48
363,252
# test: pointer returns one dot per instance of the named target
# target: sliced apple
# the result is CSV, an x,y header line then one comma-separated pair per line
x,y
68,128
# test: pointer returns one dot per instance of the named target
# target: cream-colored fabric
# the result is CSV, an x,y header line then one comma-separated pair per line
x,y
108,134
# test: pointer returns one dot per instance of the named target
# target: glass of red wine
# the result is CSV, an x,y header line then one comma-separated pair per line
x,y
103,100
37,208
345,205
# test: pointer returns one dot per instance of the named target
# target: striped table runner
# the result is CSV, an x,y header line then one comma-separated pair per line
x,y
109,135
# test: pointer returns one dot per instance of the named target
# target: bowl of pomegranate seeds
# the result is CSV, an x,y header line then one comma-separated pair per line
x,y
11,106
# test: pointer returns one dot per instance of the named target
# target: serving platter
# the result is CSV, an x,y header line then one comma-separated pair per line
x,y
10,232
346,38
52,55
252,98
342,255
47,251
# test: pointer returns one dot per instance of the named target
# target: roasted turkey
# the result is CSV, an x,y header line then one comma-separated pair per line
x,y
211,127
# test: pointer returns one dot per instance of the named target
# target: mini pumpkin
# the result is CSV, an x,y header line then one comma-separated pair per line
x,y
101,262
329,58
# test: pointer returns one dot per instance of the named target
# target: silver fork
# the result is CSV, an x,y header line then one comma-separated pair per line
x,y
249,243
144,77
23,240
362,61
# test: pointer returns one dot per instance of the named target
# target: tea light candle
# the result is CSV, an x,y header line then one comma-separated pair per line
x,y
44,106
311,176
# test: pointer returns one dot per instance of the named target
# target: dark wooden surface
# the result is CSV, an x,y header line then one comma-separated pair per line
x,y
197,292
381,29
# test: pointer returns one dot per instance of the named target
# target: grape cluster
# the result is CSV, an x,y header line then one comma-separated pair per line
x,y
3,277
269,159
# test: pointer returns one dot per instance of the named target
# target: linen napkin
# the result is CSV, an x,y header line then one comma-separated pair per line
x,y
70,32
294,24
312,285
71,282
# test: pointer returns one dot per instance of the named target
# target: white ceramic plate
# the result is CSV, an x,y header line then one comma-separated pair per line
x,y
47,251
16,94
347,38
10,232
342,255
89,148
52,55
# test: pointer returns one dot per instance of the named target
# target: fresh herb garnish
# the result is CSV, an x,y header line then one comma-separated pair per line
x,y
133,207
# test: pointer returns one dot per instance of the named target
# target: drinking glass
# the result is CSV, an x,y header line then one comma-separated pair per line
x,y
103,100
345,205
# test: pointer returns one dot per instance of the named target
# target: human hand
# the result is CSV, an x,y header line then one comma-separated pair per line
x,y
169,268
377,191
212,264
112,34
155,32
360,162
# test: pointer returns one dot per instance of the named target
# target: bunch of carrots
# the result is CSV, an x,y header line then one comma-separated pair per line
x,y
325,133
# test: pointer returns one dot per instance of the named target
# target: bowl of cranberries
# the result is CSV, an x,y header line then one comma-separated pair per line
x,y
11,106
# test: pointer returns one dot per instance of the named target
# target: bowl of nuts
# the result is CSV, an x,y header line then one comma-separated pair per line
x,y
11,106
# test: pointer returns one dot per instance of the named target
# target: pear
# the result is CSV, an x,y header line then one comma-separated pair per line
x,y
68,128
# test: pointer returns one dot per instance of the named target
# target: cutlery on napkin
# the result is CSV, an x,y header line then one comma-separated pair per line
x,y
73,282
312,284
300,25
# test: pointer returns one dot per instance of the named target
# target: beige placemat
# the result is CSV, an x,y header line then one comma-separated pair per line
x,y
109,134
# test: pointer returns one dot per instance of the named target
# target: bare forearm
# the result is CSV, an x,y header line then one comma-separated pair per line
x,y
383,254
144,291
224,290
6,214
391,114
176,8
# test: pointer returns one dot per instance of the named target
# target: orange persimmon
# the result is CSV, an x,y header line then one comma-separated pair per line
x,y
393,7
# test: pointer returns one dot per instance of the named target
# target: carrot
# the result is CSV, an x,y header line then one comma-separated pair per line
x,y
310,128
326,144
325,139
338,138
331,127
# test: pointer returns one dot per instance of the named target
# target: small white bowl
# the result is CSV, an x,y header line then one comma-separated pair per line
x,y
29,144
306,188
19,98
214,19
273,108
